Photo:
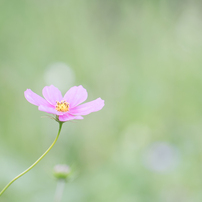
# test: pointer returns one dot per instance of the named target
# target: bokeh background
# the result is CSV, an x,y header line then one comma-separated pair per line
x,y
144,58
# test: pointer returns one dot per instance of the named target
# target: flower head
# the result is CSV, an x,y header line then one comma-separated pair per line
x,y
61,171
65,108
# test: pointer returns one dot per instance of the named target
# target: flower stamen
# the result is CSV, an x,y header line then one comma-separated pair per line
x,y
62,106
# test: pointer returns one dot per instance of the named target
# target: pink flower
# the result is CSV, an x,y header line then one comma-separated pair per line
x,y
66,108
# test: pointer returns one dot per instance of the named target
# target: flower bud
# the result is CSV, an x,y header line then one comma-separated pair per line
x,y
62,171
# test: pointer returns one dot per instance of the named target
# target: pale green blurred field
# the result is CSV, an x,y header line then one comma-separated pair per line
x,y
144,58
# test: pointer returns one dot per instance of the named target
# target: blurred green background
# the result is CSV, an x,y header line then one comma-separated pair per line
x,y
144,58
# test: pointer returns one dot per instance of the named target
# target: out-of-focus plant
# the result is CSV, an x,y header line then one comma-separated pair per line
x,y
62,173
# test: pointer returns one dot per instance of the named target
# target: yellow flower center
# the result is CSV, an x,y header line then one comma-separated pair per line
x,y
62,106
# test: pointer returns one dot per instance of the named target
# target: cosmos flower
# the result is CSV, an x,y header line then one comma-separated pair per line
x,y
65,108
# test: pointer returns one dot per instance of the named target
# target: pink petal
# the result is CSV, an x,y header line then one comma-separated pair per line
x,y
49,110
52,94
88,107
78,117
76,95
67,117
35,99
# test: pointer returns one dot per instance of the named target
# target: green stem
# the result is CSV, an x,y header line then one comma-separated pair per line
x,y
28,169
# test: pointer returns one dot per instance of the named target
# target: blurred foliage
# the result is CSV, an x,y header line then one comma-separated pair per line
x,y
143,58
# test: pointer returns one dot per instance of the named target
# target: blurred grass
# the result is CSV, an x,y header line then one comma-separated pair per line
x,y
143,58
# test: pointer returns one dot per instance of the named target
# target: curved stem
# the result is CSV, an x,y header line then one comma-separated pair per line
x,y
28,169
